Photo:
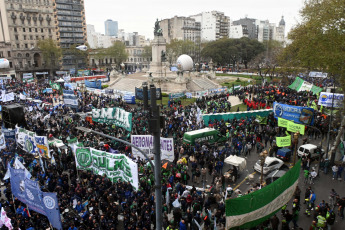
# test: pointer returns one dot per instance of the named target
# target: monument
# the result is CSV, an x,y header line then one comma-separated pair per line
x,y
158,64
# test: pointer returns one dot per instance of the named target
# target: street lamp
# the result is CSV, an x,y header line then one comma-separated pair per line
x,y
196,67
262,156
295,137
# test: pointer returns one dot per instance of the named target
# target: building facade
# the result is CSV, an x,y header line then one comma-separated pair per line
x,y
26,24
70,27
111,28
181,28
214,25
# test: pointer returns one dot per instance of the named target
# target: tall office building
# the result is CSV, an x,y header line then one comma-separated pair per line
x,y
22,25
71,30
111,28
181,28
214,25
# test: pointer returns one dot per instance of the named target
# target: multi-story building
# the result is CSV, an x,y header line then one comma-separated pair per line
x,y
26,23
70,27
214,25
257,29
111,28
249,27
98,40
6,72
181,28
237,31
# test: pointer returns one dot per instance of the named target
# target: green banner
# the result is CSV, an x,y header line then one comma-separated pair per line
x,y
238,115
114,166
55,86
72,141
296,84
283,141
116,116
292,127
282,122
261,120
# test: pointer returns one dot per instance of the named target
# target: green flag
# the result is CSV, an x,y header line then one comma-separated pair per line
x,y
292,127
282,122
261,120
55,86
254,208
283,141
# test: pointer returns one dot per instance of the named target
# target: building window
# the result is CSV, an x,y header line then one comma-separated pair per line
x,y
24,37
41,30
36,37
23,29
16,37
21,64
29,29
11,66
1,54
36,30
42,37
15,29
8,53
26,46
50,31
18,46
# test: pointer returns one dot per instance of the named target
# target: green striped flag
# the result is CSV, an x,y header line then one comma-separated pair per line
x,y
252,209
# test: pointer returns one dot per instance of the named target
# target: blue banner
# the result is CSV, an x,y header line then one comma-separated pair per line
x,y
140,96
93,84
10,135
70,99
129,99
298,114
51,207
29,192
176,95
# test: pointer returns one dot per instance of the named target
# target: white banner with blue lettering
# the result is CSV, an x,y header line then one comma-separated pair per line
x,y
70,99
326,99
145,143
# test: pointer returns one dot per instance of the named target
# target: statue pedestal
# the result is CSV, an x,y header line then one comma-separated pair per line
x,y
157,66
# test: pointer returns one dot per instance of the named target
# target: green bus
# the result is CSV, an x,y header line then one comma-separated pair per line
x,y
208,135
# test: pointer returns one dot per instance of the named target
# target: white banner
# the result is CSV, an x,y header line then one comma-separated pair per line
x,y
22,96
306,86
326,99
2,141
7,97
114,166
145,143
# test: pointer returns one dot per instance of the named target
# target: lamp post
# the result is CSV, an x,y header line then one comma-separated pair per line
x,y
295,137
263,156
196,67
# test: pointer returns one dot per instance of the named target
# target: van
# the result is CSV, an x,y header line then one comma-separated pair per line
x,y
309,150
208,135
284,154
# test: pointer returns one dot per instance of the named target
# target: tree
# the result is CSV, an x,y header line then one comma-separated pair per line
x,y
178,47
232,51
267,61
147,54
318,43
51,53
117,52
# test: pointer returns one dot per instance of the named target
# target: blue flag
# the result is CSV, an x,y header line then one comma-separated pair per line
x,y
51,206
18,183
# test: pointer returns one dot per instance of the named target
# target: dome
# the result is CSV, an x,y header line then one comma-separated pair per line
x,y
282,21
185,62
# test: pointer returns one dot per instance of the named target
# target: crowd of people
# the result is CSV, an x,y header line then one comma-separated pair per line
x,y
89,201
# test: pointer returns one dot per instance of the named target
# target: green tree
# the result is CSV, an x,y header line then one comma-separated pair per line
x,y
318,43
51,53
267,61
178,47
117,52
232,51
147,54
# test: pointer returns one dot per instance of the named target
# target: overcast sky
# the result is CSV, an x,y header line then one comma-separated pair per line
x,y
140,16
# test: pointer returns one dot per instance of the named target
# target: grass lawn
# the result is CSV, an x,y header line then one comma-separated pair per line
x,y
242,108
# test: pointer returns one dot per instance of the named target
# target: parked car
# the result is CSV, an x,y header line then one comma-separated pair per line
x,y
284,154
310,150
274,175
271,163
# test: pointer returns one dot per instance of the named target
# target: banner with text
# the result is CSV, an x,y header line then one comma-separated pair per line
x,y
283,122
145,143
70,99
326,99
292,127
115,116
298,114
114,166
283,141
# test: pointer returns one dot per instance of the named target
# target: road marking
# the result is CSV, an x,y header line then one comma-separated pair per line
x,y
243,181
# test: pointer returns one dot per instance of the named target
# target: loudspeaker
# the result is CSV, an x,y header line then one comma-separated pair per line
x,y
12,115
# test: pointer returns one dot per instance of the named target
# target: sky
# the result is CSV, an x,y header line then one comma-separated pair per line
x,y
140,16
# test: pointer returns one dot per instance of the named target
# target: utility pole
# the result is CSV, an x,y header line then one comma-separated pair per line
x,y
154,127
329,128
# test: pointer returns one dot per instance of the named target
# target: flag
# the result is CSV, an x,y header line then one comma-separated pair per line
x,y
53,162
261,120
18,165
4,220
165,165
197,224
254,208
41,163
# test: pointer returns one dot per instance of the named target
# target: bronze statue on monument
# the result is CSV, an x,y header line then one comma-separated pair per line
x,y
158,31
